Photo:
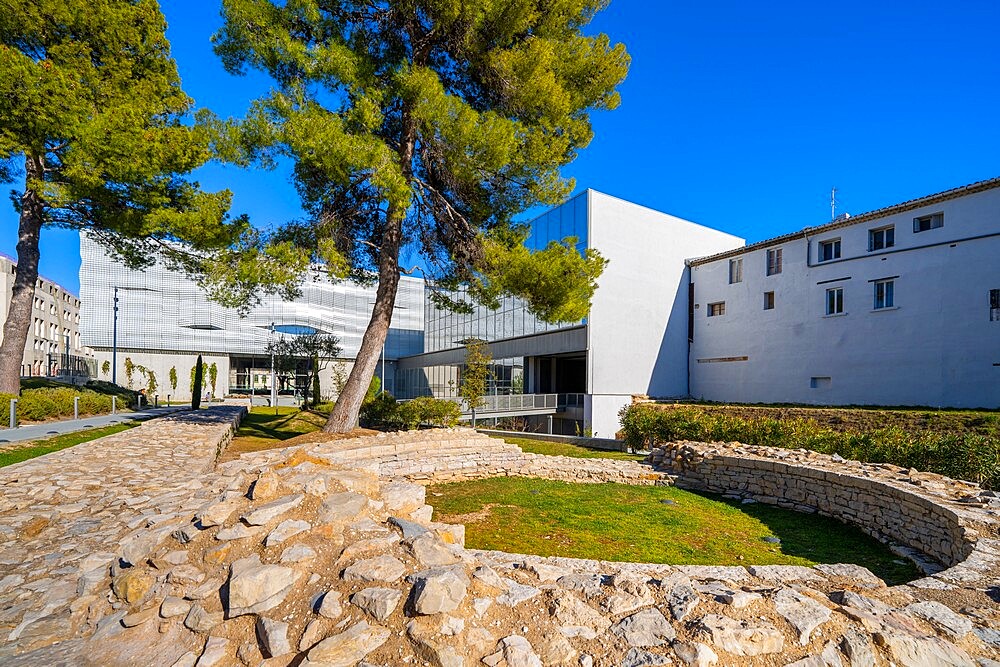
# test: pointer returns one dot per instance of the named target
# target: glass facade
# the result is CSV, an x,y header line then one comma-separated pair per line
x,y
445,329
164,310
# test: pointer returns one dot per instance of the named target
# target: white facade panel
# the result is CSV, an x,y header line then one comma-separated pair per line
x,y
638,320
934,346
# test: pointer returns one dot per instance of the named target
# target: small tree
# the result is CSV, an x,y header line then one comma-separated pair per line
x,y
106,368
475,374
172,376
197,381
151,384
129,370
318,349
213,375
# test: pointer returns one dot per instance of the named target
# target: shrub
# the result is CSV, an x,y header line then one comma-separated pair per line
x,y
968,456
385,412
50,403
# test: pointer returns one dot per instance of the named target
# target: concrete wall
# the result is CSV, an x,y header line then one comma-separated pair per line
x,y
160,363
638,320
936,346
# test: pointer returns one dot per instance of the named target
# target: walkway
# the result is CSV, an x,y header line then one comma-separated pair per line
x,y
48,429
62,515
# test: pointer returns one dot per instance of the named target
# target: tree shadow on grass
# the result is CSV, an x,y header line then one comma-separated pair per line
x,y
823,539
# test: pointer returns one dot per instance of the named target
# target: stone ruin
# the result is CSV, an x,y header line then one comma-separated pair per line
x,y
327,554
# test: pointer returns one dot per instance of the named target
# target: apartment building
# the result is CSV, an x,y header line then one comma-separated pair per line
x,y
899,306
54,347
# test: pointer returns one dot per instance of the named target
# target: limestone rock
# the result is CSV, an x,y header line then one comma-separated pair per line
x,y
297,553
518,652
284,530
215,653
802,612
237,532
431,551
217,514
640,658
174,606
273,636
437,592
624,603
385,568
858,649
588,584
516,593
681,596
379,602
695,654
132,585
489,577
941,617
312,634
341,507
912,651
571,611
266,487
272,510
742,638
329,605
403,497
254,588
556,650
645,628
347,648
856,573
407,528
199,620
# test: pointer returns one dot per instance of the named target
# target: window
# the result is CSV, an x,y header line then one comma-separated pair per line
x,y
768,300
715,309
927,222
735,271
995,305
883,294
774,261
829,250
835,301
880,239
819,382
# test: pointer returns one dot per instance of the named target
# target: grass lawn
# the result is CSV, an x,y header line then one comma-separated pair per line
x,y
532,446
650,524
263,429
30,450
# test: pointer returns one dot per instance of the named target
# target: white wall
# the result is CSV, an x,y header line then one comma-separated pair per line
x,y
937,347
161,363
638,320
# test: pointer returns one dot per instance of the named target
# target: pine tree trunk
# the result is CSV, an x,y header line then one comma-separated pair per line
x,y
15,328
344,416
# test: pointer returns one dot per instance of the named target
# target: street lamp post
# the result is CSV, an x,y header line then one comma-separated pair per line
x,y
274,380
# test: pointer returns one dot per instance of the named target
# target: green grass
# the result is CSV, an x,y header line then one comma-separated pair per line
x,y
37,448
632,523
532,446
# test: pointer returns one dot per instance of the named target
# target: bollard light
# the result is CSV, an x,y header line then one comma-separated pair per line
x,y
114,405
76,407
13,412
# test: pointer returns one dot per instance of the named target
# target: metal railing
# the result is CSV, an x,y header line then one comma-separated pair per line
x,y
515,403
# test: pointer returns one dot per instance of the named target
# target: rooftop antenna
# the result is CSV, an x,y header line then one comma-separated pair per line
x,y
833,203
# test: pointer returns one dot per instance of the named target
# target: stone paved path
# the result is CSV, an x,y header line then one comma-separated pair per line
x,y
62,515
46,429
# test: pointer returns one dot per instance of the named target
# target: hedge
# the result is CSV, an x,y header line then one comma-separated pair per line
x,y
50,403
968,456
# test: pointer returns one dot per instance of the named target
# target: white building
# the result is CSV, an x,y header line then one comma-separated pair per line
x,y
164,321
900,306
53,348
633,342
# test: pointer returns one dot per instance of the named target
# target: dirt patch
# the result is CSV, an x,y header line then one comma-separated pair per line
x,y
245,444
471,517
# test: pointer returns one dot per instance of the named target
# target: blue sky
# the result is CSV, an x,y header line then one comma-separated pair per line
x,y
736,115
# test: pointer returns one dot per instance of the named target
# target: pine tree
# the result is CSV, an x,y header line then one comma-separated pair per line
x,y
427,125
96,124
